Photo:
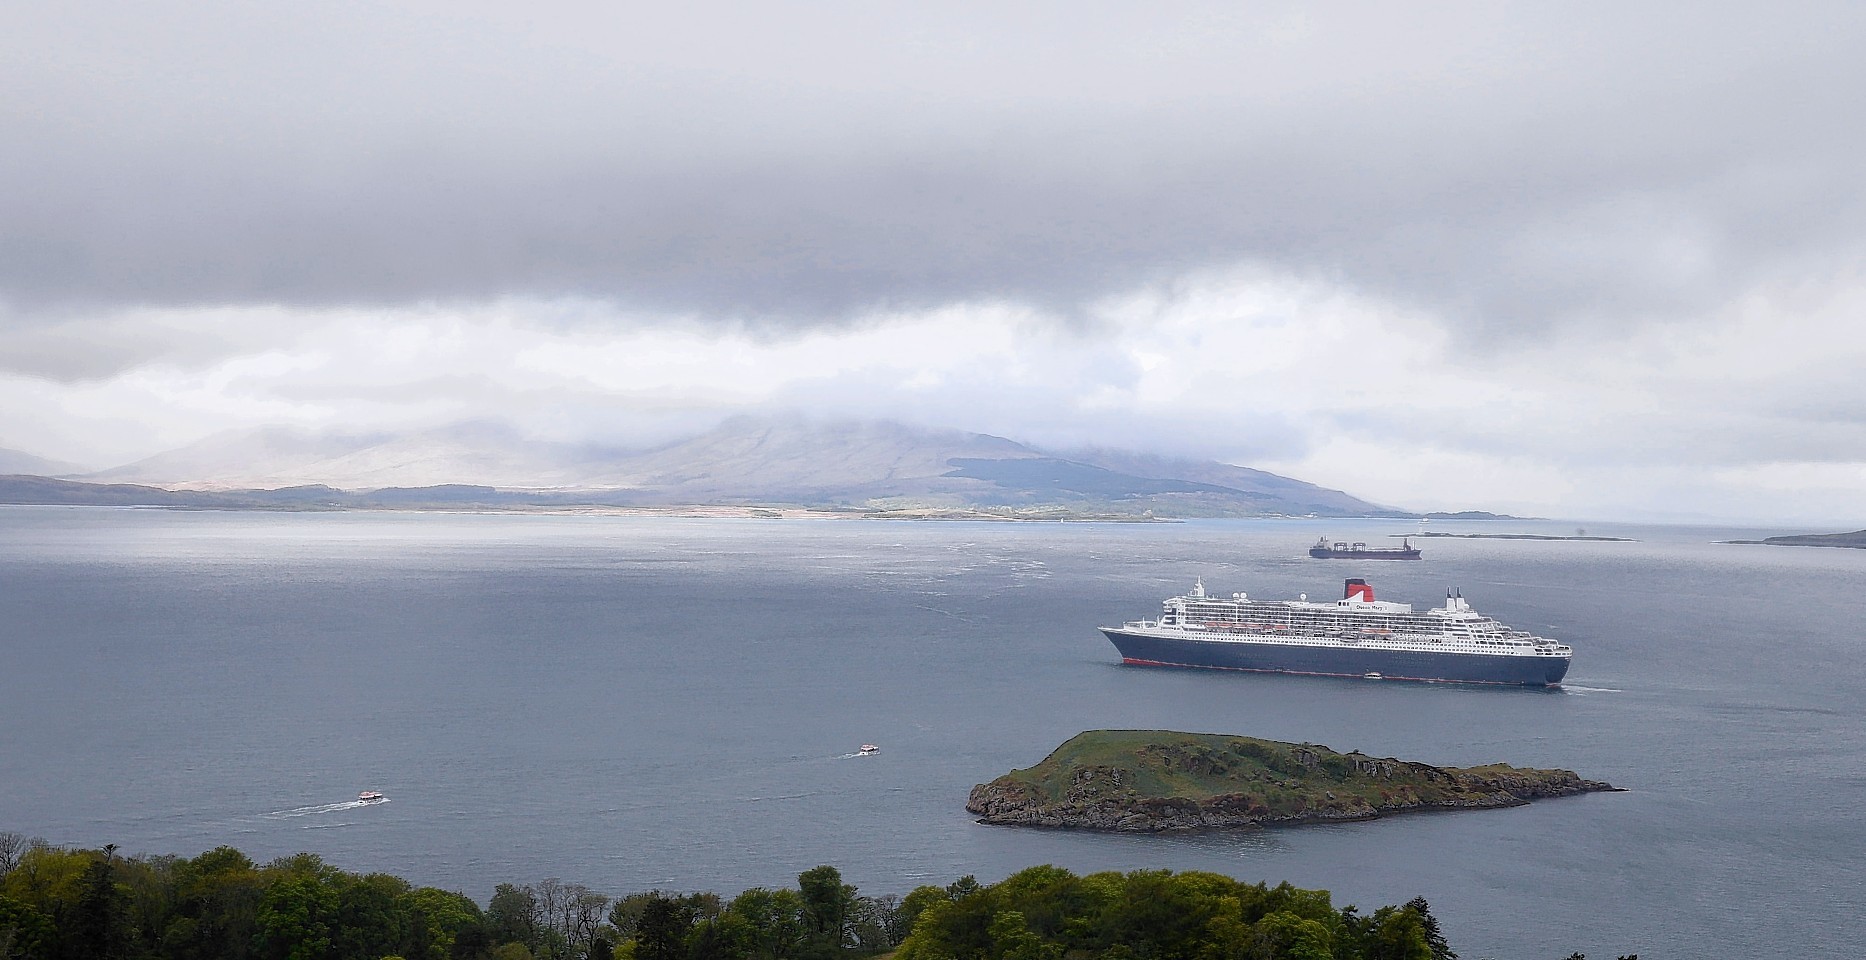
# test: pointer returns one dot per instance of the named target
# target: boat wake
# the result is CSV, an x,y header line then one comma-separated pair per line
x,y
321,808
1574,688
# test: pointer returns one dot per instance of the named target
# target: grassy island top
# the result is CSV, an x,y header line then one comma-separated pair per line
x,y
1167,763
1166,780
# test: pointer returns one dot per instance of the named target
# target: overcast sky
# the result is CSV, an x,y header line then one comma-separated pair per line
x,y
1583,260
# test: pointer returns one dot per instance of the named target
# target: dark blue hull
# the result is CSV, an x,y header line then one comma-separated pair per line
x,y
1528,671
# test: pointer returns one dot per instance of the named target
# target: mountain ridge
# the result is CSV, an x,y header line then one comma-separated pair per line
x,y
875,465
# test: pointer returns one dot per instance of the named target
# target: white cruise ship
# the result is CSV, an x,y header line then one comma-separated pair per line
x,y
1356,636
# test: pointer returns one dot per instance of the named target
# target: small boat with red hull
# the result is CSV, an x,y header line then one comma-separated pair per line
x,y
1342,550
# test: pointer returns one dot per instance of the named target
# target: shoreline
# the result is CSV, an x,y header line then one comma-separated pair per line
x,y
1309,818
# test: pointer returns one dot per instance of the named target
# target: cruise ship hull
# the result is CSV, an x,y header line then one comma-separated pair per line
x,y
1337,661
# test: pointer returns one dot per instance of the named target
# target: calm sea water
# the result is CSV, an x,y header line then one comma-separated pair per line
x,y
633,703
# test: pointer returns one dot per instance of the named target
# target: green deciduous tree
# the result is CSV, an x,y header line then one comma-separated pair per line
x,y
25,933
216,907
370,920
296,918
1286,935
827,904
1012,939
450,920
47,878
92,905
773,920
1397,934
511,951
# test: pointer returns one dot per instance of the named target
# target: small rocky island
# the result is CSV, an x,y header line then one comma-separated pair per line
x,y
1158,781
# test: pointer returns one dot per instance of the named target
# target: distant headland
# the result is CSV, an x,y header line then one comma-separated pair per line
x,y
1158,781
1855,540
1515,536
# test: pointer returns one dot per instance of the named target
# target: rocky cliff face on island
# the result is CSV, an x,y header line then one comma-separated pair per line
x,y
1154,781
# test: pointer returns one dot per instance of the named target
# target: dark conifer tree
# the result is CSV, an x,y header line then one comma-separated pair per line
x,y
661,933
100,929
1433,938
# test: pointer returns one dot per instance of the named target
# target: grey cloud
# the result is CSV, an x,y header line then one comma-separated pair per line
x,y
73,346
1516,167
58,355
1646,431
1044,416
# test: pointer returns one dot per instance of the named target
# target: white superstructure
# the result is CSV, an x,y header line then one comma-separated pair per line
x,y
1355,619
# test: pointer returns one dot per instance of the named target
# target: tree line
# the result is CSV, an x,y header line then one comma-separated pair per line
x,y
59,903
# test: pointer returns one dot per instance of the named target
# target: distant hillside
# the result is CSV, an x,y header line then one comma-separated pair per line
x,y
15,462
1294,497
46,490
863,466
50,491
880,465
475,453
794,460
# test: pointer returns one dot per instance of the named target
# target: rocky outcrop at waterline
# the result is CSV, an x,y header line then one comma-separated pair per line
x,y
1159,781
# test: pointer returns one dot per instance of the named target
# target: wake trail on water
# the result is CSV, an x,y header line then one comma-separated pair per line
x,y
321,808
1575,688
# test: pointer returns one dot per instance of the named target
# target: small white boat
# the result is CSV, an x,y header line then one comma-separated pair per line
x,y
370,796
868,749
1372,676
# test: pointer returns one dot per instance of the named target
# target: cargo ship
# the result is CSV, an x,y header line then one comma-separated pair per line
x,y
1342,550
1356,636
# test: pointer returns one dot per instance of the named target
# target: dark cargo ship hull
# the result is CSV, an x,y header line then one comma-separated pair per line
x,y
1343,661
1396,553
